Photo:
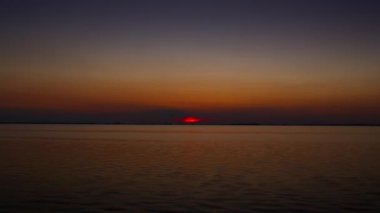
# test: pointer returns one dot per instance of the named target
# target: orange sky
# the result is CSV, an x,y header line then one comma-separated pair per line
x,y
190,84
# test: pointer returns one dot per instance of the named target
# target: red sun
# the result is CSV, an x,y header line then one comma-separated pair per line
x,y
191,120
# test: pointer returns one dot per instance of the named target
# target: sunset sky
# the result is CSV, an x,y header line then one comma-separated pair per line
x,y
141,61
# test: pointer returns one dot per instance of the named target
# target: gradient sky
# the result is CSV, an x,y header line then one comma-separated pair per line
x,y
156,61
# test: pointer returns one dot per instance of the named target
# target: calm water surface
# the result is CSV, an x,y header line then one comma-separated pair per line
x,y
46,168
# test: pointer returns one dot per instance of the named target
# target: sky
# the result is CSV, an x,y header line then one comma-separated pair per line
x,y
154,61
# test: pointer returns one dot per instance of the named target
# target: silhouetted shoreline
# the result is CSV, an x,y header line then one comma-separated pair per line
x,y
198,124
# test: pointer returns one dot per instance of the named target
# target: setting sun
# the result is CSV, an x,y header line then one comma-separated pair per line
x,y
191,120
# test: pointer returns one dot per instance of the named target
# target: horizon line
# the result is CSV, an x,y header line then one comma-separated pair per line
x,y
198,124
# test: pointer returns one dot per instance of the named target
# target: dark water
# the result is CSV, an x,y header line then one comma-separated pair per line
x,y
48,168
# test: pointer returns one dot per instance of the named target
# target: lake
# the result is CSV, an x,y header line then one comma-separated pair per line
x,y
47,168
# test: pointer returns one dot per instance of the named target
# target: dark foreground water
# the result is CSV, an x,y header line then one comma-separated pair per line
x,y
48,168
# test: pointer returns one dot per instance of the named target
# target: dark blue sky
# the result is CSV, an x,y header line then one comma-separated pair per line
x,y
157,60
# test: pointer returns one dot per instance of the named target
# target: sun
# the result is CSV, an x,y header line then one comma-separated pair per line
x,y
191,120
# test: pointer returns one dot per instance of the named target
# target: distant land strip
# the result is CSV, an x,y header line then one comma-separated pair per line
x,y
197,124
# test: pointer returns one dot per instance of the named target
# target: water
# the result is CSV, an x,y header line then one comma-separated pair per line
x,y
45,168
